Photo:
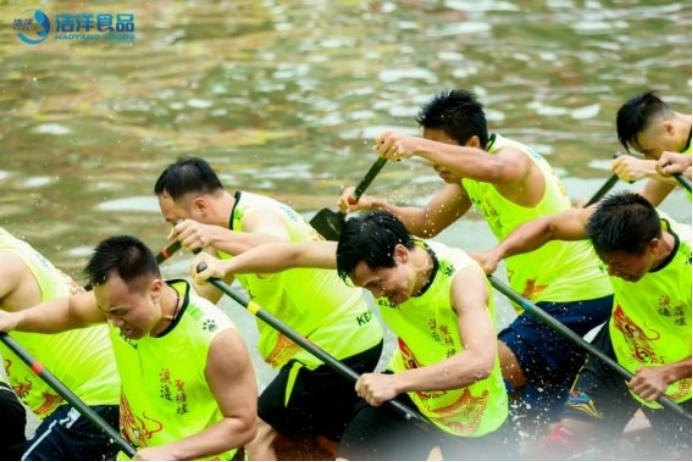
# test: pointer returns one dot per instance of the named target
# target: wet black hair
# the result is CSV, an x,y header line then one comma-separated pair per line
x,y
370,238
457,113
624,222
124,256
187,175
636,114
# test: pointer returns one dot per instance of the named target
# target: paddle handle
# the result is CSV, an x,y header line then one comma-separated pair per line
x,y
367,180
329,360
67,395
685,182
606,187
167,252
547,319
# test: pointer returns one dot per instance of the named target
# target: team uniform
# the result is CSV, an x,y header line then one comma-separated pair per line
x,y
81,359
650,325
427,333
307,398
165,394
563,278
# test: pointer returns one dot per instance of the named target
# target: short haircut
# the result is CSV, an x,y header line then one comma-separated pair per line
x,y
187,175
458,114
624,222
635,116
370,238
126,257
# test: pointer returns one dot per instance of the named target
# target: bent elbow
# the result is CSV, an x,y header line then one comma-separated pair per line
x,y
484,372
550,230
484,367
248,431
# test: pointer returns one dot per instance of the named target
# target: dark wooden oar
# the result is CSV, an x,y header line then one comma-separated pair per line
x,y
329,360
551,322
67,395
606,187
167,252
685,182
330,223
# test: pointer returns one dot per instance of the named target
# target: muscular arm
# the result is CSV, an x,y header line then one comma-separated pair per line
x,y
231,379
259,227
507,166
566,226
470,297
13,274
446,206
655,191
270,258
58,315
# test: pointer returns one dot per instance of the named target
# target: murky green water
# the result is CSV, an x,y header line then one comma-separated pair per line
x,y
284,98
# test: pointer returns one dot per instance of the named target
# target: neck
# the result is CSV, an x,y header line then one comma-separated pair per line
x,y
221,208
170,306
683,129
423,267
665,250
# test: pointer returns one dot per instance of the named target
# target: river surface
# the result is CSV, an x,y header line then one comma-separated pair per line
x,y
284,98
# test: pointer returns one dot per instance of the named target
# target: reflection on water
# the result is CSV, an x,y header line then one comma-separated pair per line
x,y
284,98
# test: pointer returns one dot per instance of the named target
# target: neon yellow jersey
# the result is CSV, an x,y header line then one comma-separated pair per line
x,y
651,320
558,271
427,332
82,359
314,302
166,396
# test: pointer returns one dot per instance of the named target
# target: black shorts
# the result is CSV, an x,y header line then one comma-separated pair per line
x,y
320,403
67,435
380,433
601,395
13,414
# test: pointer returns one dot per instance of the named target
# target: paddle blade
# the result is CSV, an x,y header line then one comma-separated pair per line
x,y
328,223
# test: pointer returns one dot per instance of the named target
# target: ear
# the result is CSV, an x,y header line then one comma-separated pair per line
x,y
653,246
156,289
200,205
669,128
474,142
401,254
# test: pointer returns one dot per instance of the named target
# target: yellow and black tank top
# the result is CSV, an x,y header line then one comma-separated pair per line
x,y
558,271
427,332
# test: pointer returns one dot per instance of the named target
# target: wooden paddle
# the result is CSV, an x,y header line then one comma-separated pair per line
x,y
685,182
329,223
551,322
606,187
67,395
